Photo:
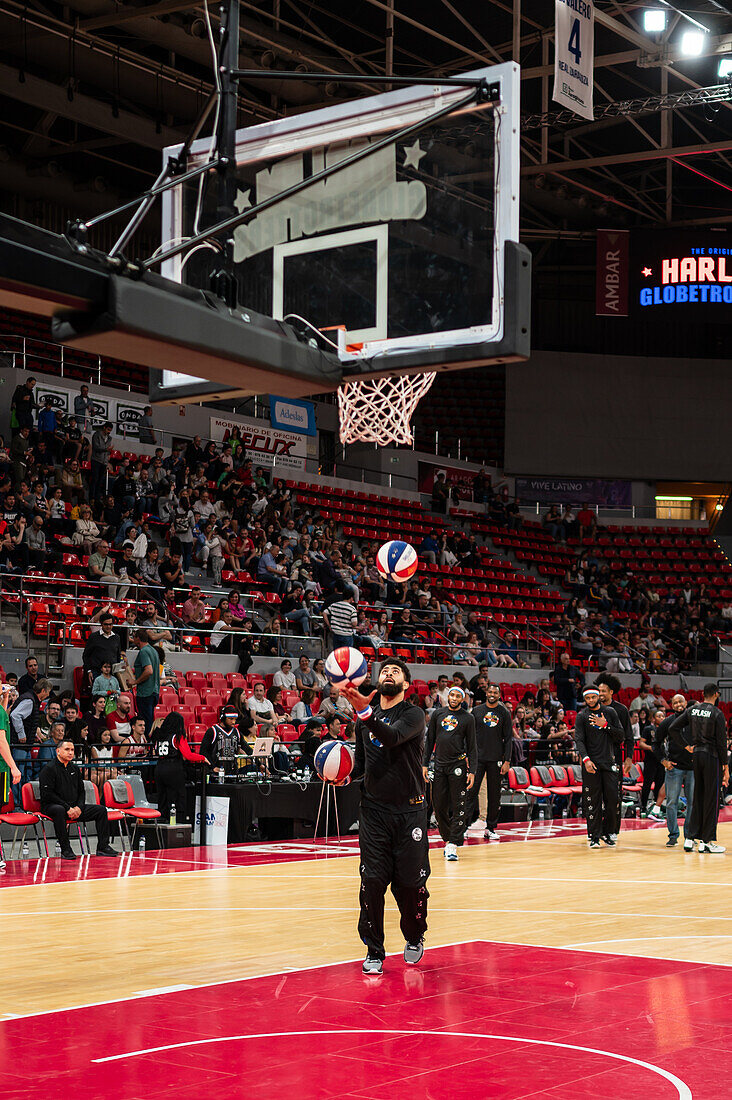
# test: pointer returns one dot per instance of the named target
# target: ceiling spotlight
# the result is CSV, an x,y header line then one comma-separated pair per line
x,y
654,20
692,43
725,67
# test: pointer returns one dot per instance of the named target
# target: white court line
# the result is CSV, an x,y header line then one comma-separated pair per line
x,y
644,939
683,1090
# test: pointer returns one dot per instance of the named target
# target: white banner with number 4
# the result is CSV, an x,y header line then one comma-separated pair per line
x,y
574,52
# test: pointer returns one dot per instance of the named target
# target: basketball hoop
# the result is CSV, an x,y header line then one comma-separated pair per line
x,y
379,410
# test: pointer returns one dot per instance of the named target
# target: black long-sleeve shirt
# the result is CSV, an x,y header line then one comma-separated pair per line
x,y
493,732
451,736
61,785
671,744
707,729
389,748
598,744
626,747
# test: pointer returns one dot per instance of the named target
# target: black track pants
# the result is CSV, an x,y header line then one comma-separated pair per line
x,y
449,801
600,801
394,851
170,784
705,805
491,769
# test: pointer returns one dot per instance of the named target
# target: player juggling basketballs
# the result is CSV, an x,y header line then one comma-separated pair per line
x,y
451,736
392,819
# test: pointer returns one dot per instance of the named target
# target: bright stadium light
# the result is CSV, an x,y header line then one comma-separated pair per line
x,y
692,43
654,20
725,67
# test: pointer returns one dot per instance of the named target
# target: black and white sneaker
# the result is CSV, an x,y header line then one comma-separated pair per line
x,y
594,843
609,840
372,965
413,952
671,842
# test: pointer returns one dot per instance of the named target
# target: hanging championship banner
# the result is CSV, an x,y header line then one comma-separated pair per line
x,y
574,50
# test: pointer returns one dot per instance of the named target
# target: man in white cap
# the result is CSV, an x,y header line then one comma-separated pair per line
x,y
451,736
596,733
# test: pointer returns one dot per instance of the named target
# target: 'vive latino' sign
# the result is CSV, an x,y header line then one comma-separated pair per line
x,y
681,270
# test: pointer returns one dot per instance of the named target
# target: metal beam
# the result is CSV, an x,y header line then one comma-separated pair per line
x,y
82,108
627,158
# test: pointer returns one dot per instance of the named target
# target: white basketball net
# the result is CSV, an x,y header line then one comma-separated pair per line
x,y
379,410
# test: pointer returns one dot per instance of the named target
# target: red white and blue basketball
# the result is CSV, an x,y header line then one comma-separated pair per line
x,y
346,665
396,561
333,761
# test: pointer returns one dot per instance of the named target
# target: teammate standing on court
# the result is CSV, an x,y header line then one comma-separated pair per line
x,y
493,734
706,731
677,757
451,736
597,731
172,749
610,686
392,819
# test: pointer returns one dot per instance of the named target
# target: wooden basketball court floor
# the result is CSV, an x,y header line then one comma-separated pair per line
x,y
551,971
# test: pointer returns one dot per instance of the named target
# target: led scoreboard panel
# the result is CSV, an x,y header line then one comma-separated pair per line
x,y
681,273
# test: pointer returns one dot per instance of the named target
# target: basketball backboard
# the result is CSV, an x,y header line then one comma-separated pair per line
x,y
408,260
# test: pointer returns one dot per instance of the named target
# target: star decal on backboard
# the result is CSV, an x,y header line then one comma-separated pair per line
x,y
413,155
647,271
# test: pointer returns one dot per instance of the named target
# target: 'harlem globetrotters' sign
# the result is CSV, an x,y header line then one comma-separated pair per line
x,y
691,271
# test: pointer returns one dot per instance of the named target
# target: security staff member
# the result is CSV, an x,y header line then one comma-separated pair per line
x,y
610,686
596,732
392,819
451,736
172,749
493,734
677,757
706,731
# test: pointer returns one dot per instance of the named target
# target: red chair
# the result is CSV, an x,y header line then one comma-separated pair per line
x,y
287,732
23,821
92,799
31,795
566,778
118,796
289,698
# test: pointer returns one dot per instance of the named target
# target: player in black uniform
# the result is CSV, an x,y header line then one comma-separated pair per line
x,y
172,749
451,736
392,819
223,741
596,732
493,734
609,686
706,730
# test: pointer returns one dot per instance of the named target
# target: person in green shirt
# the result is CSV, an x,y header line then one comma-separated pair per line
x,y
9,771
146,677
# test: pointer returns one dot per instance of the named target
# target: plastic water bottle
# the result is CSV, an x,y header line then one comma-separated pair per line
x,y
58,849
565,812
26,849
173,819
142,845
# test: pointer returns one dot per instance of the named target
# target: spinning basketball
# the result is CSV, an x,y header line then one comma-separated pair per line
x,y
333,761
346,665
396,561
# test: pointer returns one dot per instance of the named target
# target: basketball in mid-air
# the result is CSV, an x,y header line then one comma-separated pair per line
x,y
396,561
333,761
346,665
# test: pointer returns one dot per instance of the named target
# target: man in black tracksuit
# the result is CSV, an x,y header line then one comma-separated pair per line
x,y
677,757
392,819
597,731
706,730
451,736
62,798
493,734
609,686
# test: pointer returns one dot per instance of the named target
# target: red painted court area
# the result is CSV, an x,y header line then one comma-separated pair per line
x,y
474,1020
33,871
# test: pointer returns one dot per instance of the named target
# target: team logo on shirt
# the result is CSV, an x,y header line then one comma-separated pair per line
x,y
458,771
375,740
449,722
416,834
490,719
